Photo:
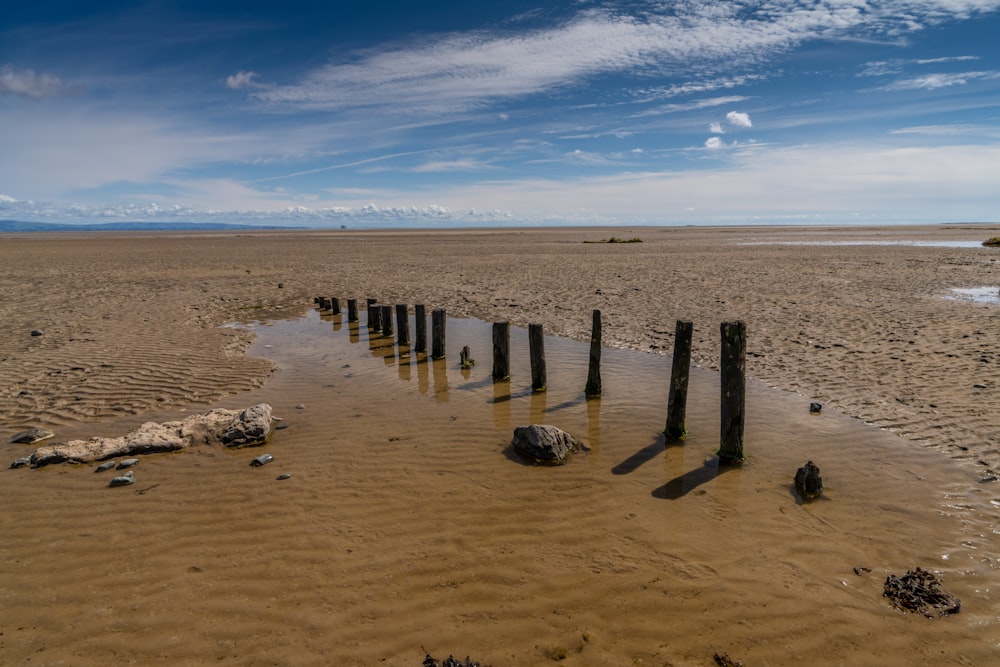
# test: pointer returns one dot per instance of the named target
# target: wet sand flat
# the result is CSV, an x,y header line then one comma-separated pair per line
x,y
408,524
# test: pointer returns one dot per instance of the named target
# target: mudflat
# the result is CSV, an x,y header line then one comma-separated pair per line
x,y
407,525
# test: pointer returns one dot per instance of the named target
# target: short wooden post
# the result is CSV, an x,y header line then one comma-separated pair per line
x,y
402,325
352,310
374,323
680,370
420,319
733,381
536,349
501,351
438,319
323,302
386,320
593,387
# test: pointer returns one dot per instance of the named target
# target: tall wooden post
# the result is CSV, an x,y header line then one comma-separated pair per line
x,y
593,387
536,349
386,318
438,319
501,351
733,380
352,310
402,325
420,319
373,316
680,371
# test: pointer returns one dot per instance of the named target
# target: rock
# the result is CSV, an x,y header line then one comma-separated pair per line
x,y
127,463
105,466
232,428
284,475
37,332
544,444
123,480
808,483
920,591
815,408
31,436
466,358
21,462
261,460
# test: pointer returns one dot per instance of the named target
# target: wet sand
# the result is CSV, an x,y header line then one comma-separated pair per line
x,y
408,524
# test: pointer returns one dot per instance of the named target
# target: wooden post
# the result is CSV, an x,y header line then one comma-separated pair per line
x,y
593,387
374,323
536,349
386,320
352,310
420,316
402,325
323,302
335,305
438,319
501,351
733,380
679,373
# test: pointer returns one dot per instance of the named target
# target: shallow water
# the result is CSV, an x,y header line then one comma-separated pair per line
x,y
989,294
408,525
871,242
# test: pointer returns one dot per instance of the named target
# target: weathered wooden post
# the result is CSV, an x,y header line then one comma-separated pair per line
x,y
733,380
501,351
536,349
352,310
373,315
593,387
402,325
386,318
438,319
323,302
420,319
334,305
680,370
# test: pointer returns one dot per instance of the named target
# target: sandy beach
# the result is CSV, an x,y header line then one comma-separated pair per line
x,y
407,527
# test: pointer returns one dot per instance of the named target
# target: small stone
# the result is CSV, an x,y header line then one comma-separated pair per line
x,y
281,427
300,406
979,386
37,332
815,408
105,466
31,436
284,475
123,480
281,285
127,463
261,460
21,462
808,483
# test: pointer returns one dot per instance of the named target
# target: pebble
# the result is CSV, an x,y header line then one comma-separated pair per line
x,y
108,465
127,463
21,462
31,436
123,480
284,475
263,459
37,332
300,406
280,427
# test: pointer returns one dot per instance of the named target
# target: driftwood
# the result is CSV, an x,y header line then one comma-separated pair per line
x,y
231,428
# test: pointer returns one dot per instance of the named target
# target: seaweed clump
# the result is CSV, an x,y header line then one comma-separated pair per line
x,y
993,242
450,662
920,591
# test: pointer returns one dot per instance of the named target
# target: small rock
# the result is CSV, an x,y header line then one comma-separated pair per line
x,y
808,483
281,285
815,408
37,332
544,444
123,480
284,475
105,466
127,463
300,406
21,462
31,436
263,459
979,386
281,427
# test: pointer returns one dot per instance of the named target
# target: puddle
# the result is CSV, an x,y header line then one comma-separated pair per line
x,y
919,244
976,294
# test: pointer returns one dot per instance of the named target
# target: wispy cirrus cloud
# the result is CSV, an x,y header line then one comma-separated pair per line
x,y
940,80
27,83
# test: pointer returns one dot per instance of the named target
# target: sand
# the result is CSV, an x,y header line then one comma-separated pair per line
x,y
407,525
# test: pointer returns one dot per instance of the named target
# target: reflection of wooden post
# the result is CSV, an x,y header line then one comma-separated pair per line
x,y
420,317
438,320
679,373
733,380
374,323
501,351
352,310
334,305
402,325
593,387
386,318
536,349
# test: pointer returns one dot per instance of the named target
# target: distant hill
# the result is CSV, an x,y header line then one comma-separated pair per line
x,y
17,226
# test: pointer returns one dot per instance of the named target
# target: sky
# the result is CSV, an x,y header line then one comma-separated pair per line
x,y
371,113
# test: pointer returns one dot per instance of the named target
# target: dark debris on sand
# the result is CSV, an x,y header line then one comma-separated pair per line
x,y
920,591
723,660
450,662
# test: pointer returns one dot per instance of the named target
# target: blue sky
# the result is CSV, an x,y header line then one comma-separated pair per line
x,y
370,113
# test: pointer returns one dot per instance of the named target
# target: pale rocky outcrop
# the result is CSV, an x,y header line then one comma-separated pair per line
x,y
231,428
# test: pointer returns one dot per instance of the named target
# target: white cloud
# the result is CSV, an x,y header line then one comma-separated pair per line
x,y
243,79
714,143
716,128
738,119
26,83
935,81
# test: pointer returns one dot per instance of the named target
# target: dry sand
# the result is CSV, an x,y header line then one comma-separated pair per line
x,y
406,524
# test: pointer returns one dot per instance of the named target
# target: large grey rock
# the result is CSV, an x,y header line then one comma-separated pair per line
x,y
31,436
231,428
544,444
